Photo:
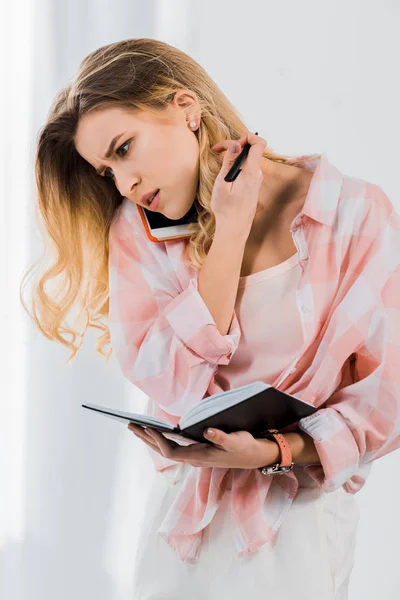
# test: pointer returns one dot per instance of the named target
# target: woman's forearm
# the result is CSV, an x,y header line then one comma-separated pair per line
x,y
302,446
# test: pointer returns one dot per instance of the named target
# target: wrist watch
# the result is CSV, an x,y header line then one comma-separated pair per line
x,y
286,463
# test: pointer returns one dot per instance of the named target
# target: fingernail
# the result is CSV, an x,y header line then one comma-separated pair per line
x,y
234,147
210,432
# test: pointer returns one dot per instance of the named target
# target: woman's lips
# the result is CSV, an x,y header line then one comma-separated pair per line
x,y
145,198
155,202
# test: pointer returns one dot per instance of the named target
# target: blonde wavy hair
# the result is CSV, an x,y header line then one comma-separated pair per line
x,y
75,207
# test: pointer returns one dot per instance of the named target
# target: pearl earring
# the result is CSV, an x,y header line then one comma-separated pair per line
x,y
193,124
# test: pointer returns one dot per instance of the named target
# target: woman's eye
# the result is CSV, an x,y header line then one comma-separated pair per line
x,y
118,152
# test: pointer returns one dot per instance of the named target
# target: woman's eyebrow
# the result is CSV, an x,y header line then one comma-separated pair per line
x,y
110,150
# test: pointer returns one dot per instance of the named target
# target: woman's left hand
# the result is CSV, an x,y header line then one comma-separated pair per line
x,y
237,450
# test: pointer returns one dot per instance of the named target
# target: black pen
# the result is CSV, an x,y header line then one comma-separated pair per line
x,y
235,168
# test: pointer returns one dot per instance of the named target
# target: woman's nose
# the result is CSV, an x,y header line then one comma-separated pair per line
x,y
126,183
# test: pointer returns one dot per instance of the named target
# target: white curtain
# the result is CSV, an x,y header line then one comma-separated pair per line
x,y
310,77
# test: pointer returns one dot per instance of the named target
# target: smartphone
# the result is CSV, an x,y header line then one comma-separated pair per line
x,y
160,229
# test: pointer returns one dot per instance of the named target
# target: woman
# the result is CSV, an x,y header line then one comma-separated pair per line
x,y
290,276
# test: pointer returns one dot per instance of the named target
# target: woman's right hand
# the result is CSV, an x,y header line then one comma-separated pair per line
x,y
234,204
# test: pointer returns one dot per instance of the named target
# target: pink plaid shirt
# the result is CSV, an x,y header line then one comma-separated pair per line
x,y
348,296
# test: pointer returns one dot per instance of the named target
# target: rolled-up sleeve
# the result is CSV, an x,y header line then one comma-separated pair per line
x,y
191,320
361,422
164,338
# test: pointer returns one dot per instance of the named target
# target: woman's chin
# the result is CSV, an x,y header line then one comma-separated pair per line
x,y
174,212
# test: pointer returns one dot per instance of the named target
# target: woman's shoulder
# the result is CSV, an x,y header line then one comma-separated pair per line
x,y
367,201
126,221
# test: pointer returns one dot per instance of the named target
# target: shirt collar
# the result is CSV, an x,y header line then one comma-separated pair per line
x,y
323,195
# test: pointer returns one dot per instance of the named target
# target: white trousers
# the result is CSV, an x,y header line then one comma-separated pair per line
x,y
312,557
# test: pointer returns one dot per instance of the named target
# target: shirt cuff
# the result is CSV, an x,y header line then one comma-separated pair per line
x,y
336,447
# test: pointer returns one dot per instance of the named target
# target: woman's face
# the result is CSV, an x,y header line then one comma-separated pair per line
x,y
152,151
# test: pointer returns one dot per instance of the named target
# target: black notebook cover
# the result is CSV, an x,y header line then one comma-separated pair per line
x,y
269,409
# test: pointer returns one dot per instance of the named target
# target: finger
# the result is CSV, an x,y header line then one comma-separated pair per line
x,y
144,435
152,444
134,427
155,434
223,144
165,445
233,151
138,429
175,451
229,158
252,162
221,439
247,138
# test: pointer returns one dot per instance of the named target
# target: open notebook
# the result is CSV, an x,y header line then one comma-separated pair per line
x,y
254,407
